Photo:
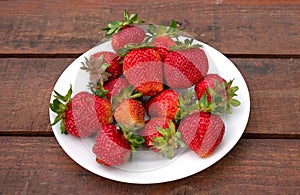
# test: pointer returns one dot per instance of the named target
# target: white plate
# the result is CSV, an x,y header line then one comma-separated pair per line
x,y
148,168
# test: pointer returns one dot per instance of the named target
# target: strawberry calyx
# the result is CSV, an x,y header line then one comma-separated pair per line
x,y
222,98
126,93
187,104
117,25
170,140
60,106
135,141
184,45
122,52
98,75
156,31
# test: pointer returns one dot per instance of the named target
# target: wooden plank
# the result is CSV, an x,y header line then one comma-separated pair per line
x,y
38,165
274,94
233,27
26,86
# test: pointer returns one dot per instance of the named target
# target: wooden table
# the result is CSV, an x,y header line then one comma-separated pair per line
x,y
40,39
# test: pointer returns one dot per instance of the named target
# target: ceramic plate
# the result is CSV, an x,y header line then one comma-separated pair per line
x,y
148,168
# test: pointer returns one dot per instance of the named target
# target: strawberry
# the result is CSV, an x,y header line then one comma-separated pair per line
x,y
114,68
202,132
114,87
82,115
160,135
211,81
124,33
161,37
142,67
111,147
164,41
185,66
129,113
216,94
163,51
164,104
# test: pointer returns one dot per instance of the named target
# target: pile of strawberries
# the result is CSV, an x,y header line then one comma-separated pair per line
x,y
154,92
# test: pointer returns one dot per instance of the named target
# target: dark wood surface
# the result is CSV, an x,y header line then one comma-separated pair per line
x,y
40,39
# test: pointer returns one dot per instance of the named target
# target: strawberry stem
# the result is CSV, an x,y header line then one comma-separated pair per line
x,y
126,93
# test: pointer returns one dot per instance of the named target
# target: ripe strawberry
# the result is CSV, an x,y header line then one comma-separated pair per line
x,y
202,132
211,81
185,67
216,94
164,104
114,68
161,37
142,67
124,33
130,114
164,41
83,115
163,51
111,147
115,86
160,135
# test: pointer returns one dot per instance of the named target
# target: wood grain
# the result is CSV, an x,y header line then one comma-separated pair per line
x,y
275,95
26,86
38,165
233,27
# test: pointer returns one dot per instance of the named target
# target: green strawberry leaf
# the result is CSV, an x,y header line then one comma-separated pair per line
x,y
168,142
57,119
58,107
65,98
173,24
63,129
234,102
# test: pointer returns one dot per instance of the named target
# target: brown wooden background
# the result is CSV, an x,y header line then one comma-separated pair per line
x,y
38,40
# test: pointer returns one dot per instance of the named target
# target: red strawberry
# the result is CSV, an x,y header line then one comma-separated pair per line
x,y
160,135
130,114
161,37
114,68
115,86
208,81
163,51
83,115
202,132
164,41
164,104
185,67
216,94
142,67
111,147
124,33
